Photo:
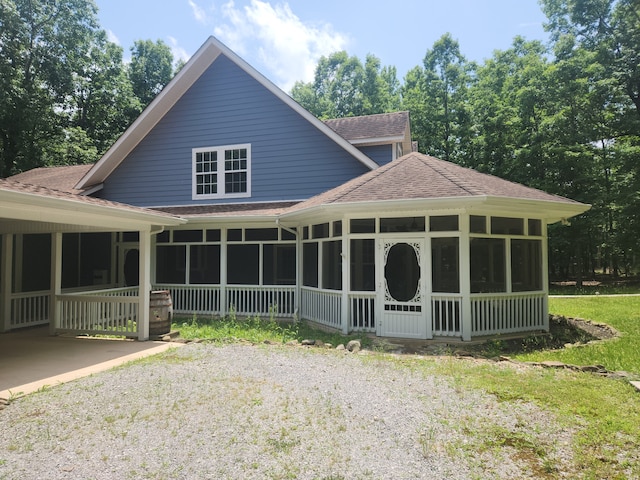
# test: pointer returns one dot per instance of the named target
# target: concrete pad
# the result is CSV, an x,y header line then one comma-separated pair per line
x,y
31,359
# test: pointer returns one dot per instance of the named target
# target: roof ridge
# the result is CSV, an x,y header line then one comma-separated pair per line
x,y
442,167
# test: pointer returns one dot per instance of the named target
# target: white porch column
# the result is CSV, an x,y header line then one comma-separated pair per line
x,y
144,286
6,280
545,275
56,281
465,277
223,271
346,279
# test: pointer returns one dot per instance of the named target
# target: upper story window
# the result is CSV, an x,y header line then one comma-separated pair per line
x,y
222,172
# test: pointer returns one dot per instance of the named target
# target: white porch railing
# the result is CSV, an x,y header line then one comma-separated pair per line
x,y
262,300
446,317
244,299
29,309
111,312
507,313
189,299
321,306
362,312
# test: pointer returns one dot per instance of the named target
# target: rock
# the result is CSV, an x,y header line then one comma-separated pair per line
x,y
591,368
635,385
166,338
553,364
308,342
340,347
463,353
319,343
353,346
328,345
293,343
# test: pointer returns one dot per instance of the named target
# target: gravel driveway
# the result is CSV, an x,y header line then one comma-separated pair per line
x,y
240,412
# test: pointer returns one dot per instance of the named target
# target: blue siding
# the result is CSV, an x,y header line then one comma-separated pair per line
x,y
381,154
290,158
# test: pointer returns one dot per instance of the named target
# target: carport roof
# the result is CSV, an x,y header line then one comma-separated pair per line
x,y
22,202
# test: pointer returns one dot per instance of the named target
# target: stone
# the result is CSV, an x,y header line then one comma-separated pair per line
x,y
635,385
340,347
354,346
319,343
553,364
308,342
591,368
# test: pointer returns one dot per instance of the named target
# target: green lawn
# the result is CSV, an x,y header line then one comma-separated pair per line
x,y
620,312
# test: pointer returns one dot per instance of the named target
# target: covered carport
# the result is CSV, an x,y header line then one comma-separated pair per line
x,y
28,209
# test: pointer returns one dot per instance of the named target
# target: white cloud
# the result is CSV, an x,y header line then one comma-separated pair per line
x,y
287,47
178,52
113,38
198,12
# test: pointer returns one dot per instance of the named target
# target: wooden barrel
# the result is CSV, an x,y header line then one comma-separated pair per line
x,y
160,312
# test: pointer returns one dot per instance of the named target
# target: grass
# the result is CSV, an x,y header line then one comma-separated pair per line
x,y
232,328
605,412
622,313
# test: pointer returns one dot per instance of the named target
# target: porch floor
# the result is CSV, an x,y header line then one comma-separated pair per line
x,y
31,359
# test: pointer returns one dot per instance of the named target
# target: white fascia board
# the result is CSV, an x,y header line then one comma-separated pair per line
x,y
377,140
28,206
177,87
550,211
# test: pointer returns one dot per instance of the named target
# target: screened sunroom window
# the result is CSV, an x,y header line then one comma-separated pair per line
x,y
526,265
220,172
170,264
488,269
445,273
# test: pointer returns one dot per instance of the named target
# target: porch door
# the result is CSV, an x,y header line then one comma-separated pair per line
x,y
402,289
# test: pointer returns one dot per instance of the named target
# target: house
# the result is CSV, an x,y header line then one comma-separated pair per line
x,y
230,195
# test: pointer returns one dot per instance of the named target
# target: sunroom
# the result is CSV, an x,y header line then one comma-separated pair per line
x,y
423,248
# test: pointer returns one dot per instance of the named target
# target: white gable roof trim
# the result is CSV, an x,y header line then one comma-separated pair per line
x,y
176,88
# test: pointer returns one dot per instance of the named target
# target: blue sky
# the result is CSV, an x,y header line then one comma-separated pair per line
x,y
284,39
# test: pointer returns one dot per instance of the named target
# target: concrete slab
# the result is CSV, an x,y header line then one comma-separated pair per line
x,y
31,359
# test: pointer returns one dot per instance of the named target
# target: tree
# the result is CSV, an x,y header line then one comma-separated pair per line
x,y
43,44
437,98
344,87
103,103
151,68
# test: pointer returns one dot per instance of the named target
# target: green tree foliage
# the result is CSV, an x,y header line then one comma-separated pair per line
x,y
150,70
66,92
437,97
43,45
344,87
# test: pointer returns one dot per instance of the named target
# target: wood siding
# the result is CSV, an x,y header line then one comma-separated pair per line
x,y
290,158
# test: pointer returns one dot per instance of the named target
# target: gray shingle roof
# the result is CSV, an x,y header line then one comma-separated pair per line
x,y
370,126
11,185
62,178
419,176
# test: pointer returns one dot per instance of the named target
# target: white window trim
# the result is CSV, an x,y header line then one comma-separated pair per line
x,y
220,172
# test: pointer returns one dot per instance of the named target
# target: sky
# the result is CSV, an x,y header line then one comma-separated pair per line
x,y
284,39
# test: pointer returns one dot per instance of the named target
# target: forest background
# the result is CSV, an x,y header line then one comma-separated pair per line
x,y
563,117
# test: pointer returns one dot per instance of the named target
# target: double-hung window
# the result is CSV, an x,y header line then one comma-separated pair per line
x,y
222,172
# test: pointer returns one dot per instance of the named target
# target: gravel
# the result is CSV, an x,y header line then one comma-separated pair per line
x,y
252,412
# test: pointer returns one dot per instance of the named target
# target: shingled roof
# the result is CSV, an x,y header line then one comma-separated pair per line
x,y
243,210
61,178
358,129
418,176
12,185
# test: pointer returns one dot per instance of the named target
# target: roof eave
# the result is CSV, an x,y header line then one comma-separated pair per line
x,y
34,207
551,211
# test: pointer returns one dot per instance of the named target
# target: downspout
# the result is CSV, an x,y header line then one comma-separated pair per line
x,y
290,230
